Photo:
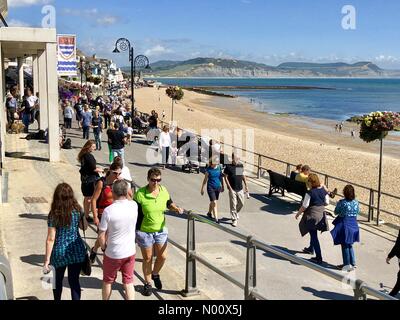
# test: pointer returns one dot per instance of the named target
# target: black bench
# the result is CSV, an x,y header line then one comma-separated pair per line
x,y
279,183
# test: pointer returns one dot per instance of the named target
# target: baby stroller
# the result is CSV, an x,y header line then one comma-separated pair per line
x,y
189,155
139,126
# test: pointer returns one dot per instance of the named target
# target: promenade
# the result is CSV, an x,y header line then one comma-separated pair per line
x,y
23,229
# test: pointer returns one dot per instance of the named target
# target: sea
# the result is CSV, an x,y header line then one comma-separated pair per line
x,y
346,98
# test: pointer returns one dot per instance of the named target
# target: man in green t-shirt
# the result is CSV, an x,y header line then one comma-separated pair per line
x,y
153,200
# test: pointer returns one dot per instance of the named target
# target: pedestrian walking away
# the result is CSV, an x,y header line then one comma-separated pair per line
x,y
117,240
64,246
234,180
153,200
102,198
346,231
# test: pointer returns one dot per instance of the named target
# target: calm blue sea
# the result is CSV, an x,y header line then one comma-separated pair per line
x,y
350,97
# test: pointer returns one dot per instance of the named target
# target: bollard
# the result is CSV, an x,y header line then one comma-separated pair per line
x,y
288,170
190,282
251,277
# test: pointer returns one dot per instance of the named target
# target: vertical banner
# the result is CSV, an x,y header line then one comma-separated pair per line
x,y
66,52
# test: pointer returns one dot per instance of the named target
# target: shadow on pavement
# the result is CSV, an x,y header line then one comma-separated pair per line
x,y
34,259
143,165
27,298
327,295
20,155
274,206
34,216
269,254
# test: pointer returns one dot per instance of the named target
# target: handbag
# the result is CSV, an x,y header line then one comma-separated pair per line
x,y
86,267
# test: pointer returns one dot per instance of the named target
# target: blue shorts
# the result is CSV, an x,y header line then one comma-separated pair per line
x,y
213,193
146,239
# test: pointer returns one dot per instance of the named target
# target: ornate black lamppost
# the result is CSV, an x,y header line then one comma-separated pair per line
x,y
141,61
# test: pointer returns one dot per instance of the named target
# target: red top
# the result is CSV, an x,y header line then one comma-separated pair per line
x,y
106,199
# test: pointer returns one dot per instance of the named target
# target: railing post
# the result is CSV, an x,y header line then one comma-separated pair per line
x,y
358,291
190,283
259,167
288,170
251,279
372,204
326,181
371,195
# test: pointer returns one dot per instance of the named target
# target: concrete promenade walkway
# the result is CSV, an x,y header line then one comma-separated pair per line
x,y
23,228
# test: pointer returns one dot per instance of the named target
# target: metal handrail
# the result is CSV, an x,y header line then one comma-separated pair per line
x,y
6,281
361,289
372,191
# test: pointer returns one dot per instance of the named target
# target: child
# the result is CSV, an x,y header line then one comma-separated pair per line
x,y
129,133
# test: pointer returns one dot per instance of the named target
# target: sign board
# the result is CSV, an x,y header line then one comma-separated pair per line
x,y
66,53
3,8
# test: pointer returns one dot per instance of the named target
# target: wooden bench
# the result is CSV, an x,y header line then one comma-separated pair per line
x,y
279,183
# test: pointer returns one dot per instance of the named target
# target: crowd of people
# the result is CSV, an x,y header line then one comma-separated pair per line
x,y
125,218
346,230
24,108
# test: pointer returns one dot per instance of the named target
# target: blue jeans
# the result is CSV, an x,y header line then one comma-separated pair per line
x,y
97,138
119,153
26,120
86,133
314,244
348,255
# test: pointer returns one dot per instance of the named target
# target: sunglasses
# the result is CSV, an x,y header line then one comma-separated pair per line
x,y
155,180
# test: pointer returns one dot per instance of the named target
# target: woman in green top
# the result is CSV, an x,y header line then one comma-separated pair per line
x,y
153,200
64,246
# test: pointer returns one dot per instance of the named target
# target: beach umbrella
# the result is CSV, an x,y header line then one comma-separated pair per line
x,y
376,126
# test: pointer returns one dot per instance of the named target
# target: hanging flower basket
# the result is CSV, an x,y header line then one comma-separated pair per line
x,y
377,125
175,93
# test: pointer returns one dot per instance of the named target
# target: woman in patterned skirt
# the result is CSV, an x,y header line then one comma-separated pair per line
x,y
64,246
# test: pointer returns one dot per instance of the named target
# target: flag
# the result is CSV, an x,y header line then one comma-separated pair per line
x,y
66,52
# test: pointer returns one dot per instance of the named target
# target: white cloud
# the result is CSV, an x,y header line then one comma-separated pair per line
x,y
27,3
17,23
386,58
157,50
79,13
106,20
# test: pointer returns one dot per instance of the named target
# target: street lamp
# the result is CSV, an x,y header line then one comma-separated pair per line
x,y
123,44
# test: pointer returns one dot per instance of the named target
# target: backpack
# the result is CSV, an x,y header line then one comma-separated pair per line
x,y
67,144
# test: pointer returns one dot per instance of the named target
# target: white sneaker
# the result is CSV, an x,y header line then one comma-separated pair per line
x,y
234,223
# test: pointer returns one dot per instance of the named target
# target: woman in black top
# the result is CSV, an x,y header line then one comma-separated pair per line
x,y
89,174
395,253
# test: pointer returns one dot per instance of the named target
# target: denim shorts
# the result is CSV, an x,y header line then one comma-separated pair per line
x,y
146,239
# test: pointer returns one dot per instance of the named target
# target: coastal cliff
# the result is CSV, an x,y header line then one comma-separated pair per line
x,y
210,67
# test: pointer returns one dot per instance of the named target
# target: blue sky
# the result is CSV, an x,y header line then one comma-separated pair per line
x,y
267,31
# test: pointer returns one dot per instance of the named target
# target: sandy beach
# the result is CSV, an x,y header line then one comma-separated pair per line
x,y
289,138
